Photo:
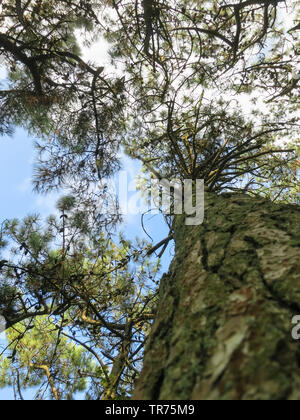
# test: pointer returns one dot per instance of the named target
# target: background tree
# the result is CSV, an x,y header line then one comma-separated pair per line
x,y
94,295
42,358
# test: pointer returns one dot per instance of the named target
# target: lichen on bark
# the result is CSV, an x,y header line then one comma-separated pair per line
x,y
223,328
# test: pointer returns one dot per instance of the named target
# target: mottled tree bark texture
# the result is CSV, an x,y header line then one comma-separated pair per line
x,y
223,327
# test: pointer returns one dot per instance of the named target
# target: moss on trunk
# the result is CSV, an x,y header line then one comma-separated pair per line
x,y
223,328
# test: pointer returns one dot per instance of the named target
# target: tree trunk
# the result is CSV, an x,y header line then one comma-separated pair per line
x,y
223,328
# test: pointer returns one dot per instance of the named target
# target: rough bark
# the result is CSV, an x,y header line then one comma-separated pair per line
x,y
223,328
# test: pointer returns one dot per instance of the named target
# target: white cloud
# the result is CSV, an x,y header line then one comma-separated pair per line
x,y
98,53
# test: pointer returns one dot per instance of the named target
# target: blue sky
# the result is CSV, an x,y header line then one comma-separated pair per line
x,y
17,200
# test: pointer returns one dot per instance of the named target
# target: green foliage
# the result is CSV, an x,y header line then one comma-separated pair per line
x,y
208,90
34,350
79,313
